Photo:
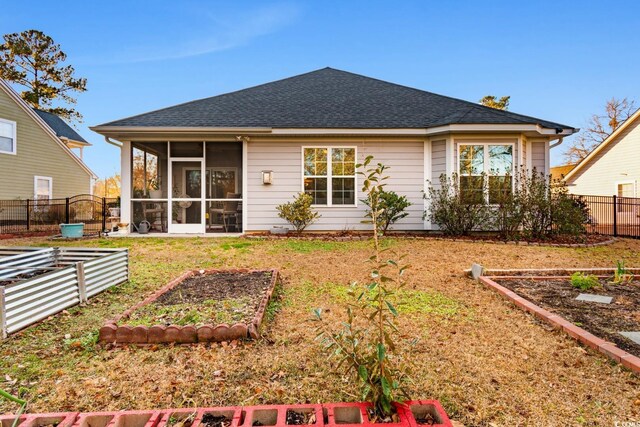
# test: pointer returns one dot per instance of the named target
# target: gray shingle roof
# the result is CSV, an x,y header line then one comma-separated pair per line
x,y
59,126
328,98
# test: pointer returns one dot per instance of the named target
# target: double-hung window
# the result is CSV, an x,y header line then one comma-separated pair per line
x,y
42,190
485,171
7,137
330,175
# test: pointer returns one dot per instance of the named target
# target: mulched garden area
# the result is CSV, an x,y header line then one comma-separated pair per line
x,y
582,240
221,297
603,320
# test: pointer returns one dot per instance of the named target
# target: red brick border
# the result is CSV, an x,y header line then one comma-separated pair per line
x,y
337,237
327,415
113,332
611,350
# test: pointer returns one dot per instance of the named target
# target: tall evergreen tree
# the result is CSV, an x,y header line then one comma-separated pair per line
x,y
35,62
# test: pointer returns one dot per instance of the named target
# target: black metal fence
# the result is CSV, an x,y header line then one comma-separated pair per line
x,y
45,215
613,215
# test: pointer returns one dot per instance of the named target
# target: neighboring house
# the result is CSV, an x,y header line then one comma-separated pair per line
x,y
224,163
613,167
36,160
559,172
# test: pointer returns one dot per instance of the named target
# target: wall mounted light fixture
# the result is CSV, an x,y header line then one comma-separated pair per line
x,y
267,177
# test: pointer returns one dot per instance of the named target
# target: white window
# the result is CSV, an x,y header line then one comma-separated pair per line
x,y
7,137
485,171
43,188
329,175
625,190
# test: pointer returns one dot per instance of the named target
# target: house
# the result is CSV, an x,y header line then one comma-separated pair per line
x,y
36,161
558,173
613,167
224,163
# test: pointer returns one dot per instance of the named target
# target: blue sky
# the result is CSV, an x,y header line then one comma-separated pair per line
x,y
559,60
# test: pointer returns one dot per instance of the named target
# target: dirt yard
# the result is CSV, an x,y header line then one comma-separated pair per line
x,y
487,361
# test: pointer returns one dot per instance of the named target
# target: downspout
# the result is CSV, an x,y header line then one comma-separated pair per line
x,y
557,143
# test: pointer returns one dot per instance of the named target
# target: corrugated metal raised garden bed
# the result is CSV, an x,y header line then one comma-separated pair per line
x,y
36,283
199,306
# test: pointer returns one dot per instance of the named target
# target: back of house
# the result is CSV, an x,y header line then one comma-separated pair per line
x,y
223,164
36,158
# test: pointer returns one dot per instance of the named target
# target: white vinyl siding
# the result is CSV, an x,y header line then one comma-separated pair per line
x,y
619,162
538,156
406,170
438,161
37,154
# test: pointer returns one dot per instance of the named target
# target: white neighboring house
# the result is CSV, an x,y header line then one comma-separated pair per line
x,y
613,167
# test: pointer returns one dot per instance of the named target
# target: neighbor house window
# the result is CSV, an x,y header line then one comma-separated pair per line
x,y
624,190
486,171
7,137
330,175
42,189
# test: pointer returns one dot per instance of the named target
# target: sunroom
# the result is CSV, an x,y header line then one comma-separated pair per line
x,y
186,187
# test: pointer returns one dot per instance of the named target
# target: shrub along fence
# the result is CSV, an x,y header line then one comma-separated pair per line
x,y
38,282
613,215
44,215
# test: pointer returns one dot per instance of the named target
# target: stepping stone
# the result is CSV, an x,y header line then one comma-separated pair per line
x,y
633,336
594,298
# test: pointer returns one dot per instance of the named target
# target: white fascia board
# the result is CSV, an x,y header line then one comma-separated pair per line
x,y
172,129
114,130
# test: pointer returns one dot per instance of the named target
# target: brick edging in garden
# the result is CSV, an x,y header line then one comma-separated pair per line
x,y
607,348
332,414
361,237
111,332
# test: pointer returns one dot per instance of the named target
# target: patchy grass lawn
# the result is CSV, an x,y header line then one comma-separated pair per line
x,y
486,360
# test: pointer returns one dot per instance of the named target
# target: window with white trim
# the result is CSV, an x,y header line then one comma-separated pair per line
x,y
329,175
7,136
485,171
42,189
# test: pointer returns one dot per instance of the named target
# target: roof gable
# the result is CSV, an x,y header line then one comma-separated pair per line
x,y
59,126
42,124
328,98
593,155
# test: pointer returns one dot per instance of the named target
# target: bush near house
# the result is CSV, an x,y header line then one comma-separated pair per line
x,y
298,213
392,208
455,211
527,205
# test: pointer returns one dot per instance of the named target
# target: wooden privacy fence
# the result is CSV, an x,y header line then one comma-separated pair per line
x,y
36,283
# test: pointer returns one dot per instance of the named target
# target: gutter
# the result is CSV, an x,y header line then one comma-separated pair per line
x,y
113,142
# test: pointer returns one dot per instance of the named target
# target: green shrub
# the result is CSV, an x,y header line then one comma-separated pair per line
x,y
507,209
621,275
366,344
583,281
393,208
535,198
456,213
569,214
298,213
